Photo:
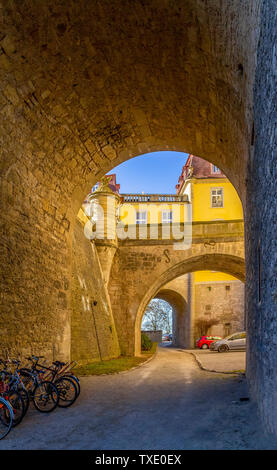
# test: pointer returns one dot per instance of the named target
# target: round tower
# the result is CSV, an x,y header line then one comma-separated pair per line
x,y
103,204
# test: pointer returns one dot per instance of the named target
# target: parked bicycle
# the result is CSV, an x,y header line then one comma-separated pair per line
x,y
67,385
43,393
46,385
6,417
10,391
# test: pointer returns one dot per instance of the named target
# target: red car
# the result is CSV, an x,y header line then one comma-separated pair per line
x,y
204,341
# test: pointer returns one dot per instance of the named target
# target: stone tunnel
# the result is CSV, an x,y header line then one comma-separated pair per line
x,y
86,86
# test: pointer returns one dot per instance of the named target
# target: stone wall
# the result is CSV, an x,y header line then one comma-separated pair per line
x,y
261,227
79,94
154,335
35,264
222,308
93,334
141,268
197,304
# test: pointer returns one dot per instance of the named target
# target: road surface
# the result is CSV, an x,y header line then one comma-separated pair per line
x,y
167,404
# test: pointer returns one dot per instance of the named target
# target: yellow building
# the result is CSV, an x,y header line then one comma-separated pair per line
x,y
142,209
213,197
204,193
153,209
216,294
145,208
210,193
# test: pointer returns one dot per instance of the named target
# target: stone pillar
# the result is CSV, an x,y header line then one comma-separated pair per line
x,y
261,238
191,309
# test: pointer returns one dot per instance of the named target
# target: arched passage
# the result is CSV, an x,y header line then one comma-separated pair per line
x,y
230,264
85,86
180,326
83,101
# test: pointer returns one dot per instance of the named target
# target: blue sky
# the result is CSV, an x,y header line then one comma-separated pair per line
x,y
156,172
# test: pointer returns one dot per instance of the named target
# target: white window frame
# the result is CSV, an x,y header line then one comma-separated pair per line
x,y
141,217
222,197
167,216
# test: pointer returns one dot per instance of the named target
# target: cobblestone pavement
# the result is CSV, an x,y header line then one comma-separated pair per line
x,y
170,403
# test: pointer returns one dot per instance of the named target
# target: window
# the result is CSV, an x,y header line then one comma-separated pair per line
x,y
208,309
118,213
141,217
215,169
227,287
234,337
217,197
96,186
167,217
227,329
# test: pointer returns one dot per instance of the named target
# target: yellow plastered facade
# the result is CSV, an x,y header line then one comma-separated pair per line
x,y
154,210
201,200
199,192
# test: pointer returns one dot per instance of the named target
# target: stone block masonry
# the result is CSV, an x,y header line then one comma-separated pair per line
x,y
224,309
261,228
80,93
93,333
141,268
74,103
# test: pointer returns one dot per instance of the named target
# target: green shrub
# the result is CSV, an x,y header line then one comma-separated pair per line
x,y
146,343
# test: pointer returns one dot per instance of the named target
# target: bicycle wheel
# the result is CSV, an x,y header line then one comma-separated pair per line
x,y
24,394
76,382
6,417
45,397
17,403
67,391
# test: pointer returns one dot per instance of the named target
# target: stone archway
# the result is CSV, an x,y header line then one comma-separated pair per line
x,y
229,264
78,99
85,87
181,320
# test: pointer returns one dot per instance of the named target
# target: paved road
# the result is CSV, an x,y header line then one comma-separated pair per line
x,y
221,362
167,404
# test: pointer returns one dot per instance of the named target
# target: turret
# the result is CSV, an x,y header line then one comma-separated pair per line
x,y
103,203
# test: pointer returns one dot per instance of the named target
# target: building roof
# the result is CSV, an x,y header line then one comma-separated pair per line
x,y
196,167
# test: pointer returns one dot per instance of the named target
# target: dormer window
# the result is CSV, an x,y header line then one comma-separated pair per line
x,y
215,170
